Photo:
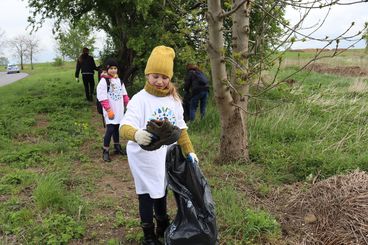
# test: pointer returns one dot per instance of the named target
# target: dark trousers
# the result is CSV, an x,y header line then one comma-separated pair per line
x,y
202,98
111,130
147,205
186,106
89,85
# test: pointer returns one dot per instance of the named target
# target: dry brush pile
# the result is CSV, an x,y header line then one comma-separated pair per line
x,y
331,212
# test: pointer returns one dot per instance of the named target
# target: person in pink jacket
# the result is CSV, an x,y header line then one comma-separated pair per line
x,y
114,98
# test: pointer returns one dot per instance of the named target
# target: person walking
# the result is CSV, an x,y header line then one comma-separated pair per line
x,y
196,86
159,100
86,65
112,95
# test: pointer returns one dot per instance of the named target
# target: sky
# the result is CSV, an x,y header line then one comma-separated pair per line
x,y
14,13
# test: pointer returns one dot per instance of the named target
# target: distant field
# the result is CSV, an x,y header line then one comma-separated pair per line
x,y
351,57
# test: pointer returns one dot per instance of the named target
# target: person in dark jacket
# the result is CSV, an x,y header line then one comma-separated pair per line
x,y
197,88
86,64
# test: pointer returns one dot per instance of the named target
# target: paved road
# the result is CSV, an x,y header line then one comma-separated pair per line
x,y
10,78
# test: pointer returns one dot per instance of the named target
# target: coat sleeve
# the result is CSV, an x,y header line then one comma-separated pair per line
x,y
102,90
94,64
77,68
187,82
134,115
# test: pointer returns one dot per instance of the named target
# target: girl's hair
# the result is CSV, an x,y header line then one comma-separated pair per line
x,y
173,91
84,54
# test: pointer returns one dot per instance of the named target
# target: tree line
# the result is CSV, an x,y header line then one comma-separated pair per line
x,y
24,47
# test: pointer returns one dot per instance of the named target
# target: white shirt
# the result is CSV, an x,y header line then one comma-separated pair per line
x,y
148,167
115,97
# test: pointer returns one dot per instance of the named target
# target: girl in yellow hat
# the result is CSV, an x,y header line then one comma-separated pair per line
x,y
158,100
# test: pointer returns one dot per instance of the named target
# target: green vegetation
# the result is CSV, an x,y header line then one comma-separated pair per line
x,y
43,124
49,142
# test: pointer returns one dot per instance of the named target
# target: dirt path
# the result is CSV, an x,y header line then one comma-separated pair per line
x,y
109,190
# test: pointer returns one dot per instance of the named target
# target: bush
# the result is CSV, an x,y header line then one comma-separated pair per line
x,y
58,61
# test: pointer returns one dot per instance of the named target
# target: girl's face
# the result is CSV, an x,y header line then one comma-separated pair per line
x,y
158,80
112,71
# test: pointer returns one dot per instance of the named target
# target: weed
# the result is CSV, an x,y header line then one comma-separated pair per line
x,y
238,221
57,229
50,193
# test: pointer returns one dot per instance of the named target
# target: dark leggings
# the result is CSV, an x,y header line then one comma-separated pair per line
x,y
89,85
147,205
111,130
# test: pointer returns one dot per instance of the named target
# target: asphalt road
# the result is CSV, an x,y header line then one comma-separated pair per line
x,y
10,78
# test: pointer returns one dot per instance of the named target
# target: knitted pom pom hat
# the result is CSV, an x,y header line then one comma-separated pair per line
x,y
161,61
111,62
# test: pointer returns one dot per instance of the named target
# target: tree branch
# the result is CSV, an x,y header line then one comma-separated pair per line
x,y
233,10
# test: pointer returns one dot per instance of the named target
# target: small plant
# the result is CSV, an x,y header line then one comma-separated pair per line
x,y
113,242
50,192
57,229
15,222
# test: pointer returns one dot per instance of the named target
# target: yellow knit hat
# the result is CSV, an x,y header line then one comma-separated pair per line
x,y
161,61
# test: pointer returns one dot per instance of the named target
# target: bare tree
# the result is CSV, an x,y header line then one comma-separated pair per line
x,y
249,58
33,47
366,40
19,45
2,41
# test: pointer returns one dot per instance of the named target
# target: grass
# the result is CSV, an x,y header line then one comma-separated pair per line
x,y
43,124
351,57
315,128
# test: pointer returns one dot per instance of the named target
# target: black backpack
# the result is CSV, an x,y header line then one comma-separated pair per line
x,y
98,103
201,78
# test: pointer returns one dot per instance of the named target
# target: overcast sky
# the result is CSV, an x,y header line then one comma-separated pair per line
x,y
14,13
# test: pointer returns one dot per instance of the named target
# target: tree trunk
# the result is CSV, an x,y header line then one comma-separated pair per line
x,y
233,144
21,61
239,78
31,58
125,55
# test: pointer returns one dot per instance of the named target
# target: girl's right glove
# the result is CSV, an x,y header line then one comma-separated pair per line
x,y
142,137
110,114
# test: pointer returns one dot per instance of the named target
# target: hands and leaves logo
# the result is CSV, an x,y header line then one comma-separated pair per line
x,y
115,90
164,113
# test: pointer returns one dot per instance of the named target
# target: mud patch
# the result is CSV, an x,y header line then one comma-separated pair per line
x,y
41,121
350,71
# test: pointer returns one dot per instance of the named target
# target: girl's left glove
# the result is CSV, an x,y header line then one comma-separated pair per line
x,y
110,114
193,157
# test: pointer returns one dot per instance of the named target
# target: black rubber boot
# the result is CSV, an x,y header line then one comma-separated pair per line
x,y
149,234
162,224
106,155
120,150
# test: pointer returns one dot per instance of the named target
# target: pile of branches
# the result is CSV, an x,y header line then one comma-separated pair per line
x,y
332,211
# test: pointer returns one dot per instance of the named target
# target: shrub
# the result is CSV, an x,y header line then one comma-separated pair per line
x,y
58,61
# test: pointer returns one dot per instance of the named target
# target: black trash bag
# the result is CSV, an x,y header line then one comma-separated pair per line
x,y
195,221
